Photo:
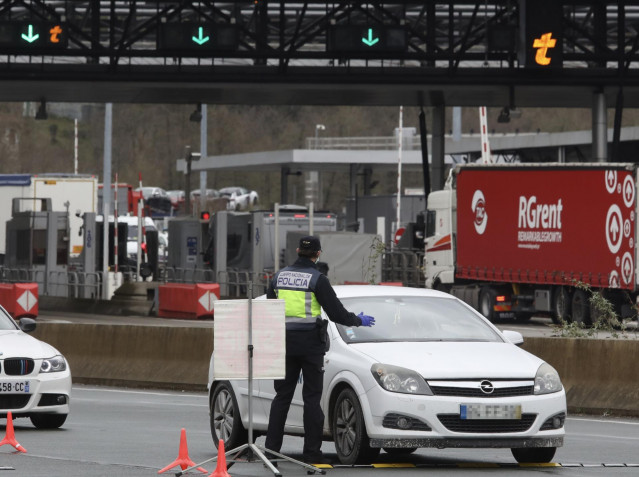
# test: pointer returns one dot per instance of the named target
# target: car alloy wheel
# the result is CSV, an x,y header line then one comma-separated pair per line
x,y
349,431
226,423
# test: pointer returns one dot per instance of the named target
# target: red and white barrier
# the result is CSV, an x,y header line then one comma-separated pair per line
x,y
190,301
20,299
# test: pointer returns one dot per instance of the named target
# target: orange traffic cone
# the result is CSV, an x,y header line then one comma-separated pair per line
x,y
220,470
10,437
183,460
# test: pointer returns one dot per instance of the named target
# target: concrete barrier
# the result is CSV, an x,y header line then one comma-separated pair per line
x,y
123,355
599,375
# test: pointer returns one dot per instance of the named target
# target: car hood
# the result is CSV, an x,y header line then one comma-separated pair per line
x,y
450,360
19,344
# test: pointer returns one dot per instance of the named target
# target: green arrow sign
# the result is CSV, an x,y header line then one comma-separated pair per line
x,y
31,37
370,41
200,39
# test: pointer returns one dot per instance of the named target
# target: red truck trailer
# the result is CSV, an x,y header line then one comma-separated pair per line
x,y
515,240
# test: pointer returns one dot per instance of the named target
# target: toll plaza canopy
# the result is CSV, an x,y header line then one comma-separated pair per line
x,y
341,154
360,156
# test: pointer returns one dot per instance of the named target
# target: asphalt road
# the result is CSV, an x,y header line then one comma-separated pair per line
x,y
124,432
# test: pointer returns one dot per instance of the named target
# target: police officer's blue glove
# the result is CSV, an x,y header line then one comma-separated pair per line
x,y
366,320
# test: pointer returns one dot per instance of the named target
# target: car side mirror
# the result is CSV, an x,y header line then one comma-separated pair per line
x,y
514,337
27,324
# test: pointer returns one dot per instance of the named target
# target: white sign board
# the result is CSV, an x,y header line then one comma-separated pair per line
x,y
231,333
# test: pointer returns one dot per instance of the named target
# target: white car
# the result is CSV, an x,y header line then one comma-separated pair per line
x,y
239,198
35,379
431,372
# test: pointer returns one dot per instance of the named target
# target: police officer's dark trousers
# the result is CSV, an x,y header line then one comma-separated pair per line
x,y
312,368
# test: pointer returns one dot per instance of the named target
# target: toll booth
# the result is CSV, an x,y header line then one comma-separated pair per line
x,y
37,239
187,240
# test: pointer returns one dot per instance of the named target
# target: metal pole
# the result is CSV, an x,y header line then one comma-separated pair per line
x,y
75,148
139,253
399,172
250,361
187,188
599,128
106,196
115,224
203,153
276,239
311,219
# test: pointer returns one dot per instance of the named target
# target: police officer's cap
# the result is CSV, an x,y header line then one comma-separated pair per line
x,y
311,243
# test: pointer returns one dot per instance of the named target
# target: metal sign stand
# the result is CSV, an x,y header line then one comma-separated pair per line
x,y
251,450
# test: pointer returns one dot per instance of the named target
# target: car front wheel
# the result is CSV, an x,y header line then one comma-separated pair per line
x,y
226,422
533,455
48,421
349,431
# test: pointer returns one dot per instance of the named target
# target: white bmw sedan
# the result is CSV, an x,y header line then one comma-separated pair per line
x,y
35,379
432,372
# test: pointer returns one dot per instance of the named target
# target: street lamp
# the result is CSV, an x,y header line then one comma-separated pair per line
x,y
318,128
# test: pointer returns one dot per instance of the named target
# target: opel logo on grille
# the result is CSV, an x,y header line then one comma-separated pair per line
x,y
486,387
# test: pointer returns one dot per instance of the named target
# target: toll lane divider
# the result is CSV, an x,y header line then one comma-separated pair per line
x,y
599,375
20,299
187,300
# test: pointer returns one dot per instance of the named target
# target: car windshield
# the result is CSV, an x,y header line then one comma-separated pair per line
x,y
415,319
6,322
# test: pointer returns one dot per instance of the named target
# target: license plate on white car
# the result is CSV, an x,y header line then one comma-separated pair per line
x,y
490,411
13,387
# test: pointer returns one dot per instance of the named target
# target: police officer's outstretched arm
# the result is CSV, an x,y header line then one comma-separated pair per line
x,y
336,312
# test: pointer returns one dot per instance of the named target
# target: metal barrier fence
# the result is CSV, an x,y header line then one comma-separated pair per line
x,y
61,283
233,283
403,266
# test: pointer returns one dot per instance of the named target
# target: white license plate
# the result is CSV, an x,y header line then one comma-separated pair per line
x,y
15,387
490,411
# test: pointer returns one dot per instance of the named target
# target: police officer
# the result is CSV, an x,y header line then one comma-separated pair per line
x,y
305,291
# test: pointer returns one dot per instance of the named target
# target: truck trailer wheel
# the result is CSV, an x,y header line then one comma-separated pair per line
x,y
581,307
487,303
561,305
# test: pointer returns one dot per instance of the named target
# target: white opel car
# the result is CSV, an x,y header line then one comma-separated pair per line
x,y
431,372
35,379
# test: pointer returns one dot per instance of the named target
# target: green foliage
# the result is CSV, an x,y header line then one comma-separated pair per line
x,y
377,250
603,315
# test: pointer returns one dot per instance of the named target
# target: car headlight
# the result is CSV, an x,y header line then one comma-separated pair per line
x,y
53,365
547,380
399,380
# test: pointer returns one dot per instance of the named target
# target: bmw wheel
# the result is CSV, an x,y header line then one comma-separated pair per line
x,y
226,422
349,431
533,455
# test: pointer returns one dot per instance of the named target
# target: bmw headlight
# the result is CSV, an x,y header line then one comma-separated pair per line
x,y
53,365
399,380
547,380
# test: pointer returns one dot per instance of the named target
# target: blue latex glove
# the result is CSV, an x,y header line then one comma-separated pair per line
x,y
366,320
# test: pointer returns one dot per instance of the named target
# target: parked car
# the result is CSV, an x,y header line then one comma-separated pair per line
x,y
432,372
240,198
156,201
210,194
35,379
